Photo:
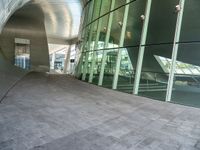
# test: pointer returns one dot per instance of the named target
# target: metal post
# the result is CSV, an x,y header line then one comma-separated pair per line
x,y
85,66
24,62
142,48
94,53
53,60
180,9
96,44
88,45
121,44
110,20
67,60
79,65
80,61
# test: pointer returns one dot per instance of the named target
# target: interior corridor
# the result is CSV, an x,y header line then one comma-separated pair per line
x,y
58,112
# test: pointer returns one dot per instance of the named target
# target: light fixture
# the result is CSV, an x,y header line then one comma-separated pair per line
x,y
120,23
177,8
142,17
128,34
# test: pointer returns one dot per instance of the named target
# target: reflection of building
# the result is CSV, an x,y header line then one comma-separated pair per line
x,y
116,33
62,58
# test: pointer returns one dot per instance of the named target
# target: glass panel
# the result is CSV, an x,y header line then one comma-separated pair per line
x,y
191,25
97,10
88,59
105,6
90,47
86,38
94,33
90,11
82,63
134,23
97,67
160,30
126,73
78,60
116,28
85,16
186,89
111,56
130,54
154,78
119,3
103,31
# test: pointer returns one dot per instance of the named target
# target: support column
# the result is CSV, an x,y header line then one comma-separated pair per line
x,y
121,44
180,10
96,43
85,66
24,62
110,20
67,60
53,60
88,45
94,52
80,62
142,48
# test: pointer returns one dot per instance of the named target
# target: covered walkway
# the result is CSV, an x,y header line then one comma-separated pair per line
x,y
56,112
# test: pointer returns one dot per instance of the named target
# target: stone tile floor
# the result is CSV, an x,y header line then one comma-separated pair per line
x,y
56,112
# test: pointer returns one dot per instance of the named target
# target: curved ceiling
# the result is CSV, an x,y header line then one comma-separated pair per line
x,y
61,17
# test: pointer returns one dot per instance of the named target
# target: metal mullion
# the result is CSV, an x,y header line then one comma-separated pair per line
x,y
95,46
88,45
121,44
110,20
142,48
175,50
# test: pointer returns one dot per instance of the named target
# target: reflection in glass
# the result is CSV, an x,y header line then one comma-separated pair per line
x,y
126,73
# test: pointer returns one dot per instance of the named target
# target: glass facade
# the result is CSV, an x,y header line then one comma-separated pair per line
x,y
142,47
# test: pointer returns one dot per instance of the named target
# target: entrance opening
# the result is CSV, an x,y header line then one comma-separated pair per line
x,y
22,53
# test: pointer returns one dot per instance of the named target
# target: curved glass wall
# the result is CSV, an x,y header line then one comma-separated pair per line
x,y
129,46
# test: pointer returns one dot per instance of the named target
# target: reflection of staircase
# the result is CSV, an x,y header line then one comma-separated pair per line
x,y
151,87
192,80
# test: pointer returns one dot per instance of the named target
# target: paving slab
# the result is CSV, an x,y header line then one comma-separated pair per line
x,y
58,112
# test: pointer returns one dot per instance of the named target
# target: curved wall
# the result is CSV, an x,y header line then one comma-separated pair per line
x,y
7,8
25,26
9,75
